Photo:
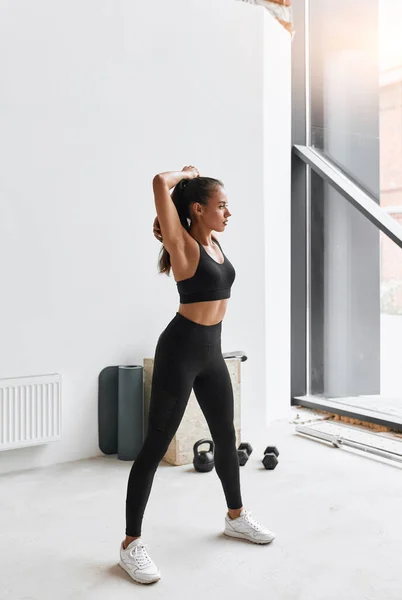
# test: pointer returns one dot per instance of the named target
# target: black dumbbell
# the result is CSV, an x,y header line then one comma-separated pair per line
x,y
243,452
270,459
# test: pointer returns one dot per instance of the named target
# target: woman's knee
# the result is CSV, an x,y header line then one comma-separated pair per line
x,y
225,436
154,448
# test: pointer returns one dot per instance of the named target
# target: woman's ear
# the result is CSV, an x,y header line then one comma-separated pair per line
x,y
197,208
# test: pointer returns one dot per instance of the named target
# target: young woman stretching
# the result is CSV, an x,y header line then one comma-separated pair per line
x,y
188,356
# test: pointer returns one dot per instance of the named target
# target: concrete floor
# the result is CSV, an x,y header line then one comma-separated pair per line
x,y
337,515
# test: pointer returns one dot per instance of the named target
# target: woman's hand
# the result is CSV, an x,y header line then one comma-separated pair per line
x,y
157,230
172,178
192,171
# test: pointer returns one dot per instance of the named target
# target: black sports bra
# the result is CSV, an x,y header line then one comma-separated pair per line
x,y
211,281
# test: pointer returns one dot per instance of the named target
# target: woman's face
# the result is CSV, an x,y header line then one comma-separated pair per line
x,y
216,214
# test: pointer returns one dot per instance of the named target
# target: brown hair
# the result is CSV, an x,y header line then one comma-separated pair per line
x,y
186,192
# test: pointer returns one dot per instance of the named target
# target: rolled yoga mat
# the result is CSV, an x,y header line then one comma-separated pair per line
x,y
107,410
130,412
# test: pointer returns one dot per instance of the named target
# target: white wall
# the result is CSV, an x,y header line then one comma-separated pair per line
x,y
97,97
277,213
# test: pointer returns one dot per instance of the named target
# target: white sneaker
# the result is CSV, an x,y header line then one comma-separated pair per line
x,y
136,562
248,529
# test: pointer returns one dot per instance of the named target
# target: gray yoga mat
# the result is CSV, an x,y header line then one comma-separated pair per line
x,y
107,410
130,412
120,411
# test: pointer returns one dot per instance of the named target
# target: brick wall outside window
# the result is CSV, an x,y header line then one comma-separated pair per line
x,y
280,9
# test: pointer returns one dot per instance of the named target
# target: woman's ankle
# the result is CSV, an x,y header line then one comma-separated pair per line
x,y
129,539
234,513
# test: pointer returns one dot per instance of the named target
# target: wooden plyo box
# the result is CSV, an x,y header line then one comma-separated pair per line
x,y
193,426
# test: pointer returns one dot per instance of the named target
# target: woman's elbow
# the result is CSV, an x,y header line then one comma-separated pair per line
x,y
158,180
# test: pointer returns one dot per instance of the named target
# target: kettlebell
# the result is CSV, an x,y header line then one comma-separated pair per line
x,y
204,460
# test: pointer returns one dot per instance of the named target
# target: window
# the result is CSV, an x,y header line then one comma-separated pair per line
x,y
347,209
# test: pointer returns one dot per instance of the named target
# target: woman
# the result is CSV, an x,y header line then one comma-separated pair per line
x,y
188,356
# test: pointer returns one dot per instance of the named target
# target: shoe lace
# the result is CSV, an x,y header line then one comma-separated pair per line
x,y
255,524
140,554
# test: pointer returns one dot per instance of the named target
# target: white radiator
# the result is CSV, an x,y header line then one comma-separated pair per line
x,y
30,411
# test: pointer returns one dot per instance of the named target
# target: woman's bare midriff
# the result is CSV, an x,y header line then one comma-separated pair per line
x,y
204,313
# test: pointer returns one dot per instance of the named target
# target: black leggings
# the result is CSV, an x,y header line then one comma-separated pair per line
x,y
188,355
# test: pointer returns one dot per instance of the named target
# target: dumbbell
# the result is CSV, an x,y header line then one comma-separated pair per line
x,y
243,452
270,459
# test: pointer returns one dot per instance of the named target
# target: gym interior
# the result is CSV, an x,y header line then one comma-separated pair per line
x,y
298,109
